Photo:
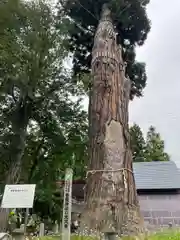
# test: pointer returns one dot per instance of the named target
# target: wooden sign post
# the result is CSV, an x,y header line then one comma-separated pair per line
x,y
66,221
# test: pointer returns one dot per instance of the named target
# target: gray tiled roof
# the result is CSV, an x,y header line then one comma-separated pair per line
x,y
156,175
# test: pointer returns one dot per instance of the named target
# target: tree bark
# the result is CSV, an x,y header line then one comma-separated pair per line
x,y
19,127
111,197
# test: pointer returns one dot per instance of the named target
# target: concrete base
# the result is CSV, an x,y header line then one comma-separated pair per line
x,y
41,230
110,236
18,234
5,236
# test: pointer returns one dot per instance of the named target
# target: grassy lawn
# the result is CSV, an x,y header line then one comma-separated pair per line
x,y
166,235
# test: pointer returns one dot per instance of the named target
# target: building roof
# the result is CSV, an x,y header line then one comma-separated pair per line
x,y
156,175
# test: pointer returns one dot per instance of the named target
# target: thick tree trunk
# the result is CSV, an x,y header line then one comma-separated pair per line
x,y
16,155
112,203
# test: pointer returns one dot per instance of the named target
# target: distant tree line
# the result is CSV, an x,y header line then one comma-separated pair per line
x,y
149,148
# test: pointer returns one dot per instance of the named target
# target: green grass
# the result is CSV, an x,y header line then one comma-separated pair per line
x,y
165,235
74,237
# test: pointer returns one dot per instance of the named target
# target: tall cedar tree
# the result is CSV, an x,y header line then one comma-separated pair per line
x,y
131,24
138,144
155,147
112,204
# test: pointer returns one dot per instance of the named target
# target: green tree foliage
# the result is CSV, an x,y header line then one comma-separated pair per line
x,y
132,26
138,144
155,147
34,85
42,129
46,157
149,149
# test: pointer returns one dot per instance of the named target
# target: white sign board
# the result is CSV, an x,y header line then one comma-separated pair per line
x,y
18,196
66,221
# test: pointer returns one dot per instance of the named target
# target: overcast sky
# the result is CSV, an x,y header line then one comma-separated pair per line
x,y
161,53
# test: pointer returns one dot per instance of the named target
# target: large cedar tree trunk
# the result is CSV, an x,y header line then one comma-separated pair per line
x,y
16,154
112,203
